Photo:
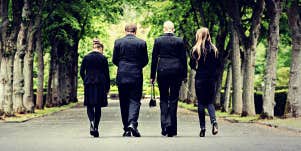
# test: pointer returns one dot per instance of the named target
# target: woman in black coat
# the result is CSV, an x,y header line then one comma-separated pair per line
x,y
204,60
95,73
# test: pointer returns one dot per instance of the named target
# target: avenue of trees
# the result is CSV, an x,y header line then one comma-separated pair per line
x,y
239,27
32,29
259,42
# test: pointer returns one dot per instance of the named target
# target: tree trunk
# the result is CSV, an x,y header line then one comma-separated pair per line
x,y
274,10
219,88
248,83
9,32
183,92
293,102
75,72
227,92
55,98
51,91
28,76
40,82
249,66
18,79
191,93
7,82
236,72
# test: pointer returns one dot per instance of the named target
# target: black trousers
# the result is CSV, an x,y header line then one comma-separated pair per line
x,y
130,97
169,97
94,114
205,92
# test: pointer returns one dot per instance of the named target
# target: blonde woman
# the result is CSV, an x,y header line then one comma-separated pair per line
x,y
204,59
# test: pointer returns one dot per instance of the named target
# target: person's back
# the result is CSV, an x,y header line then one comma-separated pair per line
x,y
207,64
94,63
169,57
170,64
94,71
130,55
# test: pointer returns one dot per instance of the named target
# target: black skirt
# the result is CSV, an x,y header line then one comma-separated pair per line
x,y
205,90
95,95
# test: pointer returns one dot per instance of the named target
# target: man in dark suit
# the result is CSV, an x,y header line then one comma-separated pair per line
x,y
170,63
130,55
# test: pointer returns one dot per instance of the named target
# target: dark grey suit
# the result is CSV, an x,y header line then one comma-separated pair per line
x,y
130,55
170,63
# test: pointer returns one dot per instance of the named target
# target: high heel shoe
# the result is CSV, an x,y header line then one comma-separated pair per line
x,y
202,133
214,128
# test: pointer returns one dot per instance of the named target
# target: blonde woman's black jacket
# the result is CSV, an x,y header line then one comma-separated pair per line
x,y
207,66
130,55
169,57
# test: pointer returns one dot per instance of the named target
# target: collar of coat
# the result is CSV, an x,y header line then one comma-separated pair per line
x,y
130,35
168,34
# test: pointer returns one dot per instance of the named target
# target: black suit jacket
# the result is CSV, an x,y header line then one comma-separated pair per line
x,y
95,70
207,66
130,55
169,57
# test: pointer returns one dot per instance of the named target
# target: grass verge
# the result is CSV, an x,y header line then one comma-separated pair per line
x,y
224,115
18,118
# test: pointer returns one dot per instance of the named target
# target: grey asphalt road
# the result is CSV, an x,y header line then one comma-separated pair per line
x,y
69,131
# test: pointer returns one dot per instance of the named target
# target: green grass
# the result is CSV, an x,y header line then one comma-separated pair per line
x,y
232,117
294,123
38,113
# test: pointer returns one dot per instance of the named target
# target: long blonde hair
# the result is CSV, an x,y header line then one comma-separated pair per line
x,y
202,35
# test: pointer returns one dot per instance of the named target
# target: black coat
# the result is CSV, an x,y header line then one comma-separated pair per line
x,y
130,55
169,57
94,71
207,68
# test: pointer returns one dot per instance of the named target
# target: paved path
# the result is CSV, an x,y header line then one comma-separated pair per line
x,y
68,131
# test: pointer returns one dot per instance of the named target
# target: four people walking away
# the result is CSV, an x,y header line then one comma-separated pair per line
x,y
170,63
94,71
204,59
130,55
169,67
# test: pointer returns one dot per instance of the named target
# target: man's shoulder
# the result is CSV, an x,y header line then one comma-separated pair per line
x,y
140,40
164,37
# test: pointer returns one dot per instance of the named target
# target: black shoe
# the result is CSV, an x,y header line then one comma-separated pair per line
x,y
214,128
127,134
202,133
96,133
134,130
164,132
171,132
92,128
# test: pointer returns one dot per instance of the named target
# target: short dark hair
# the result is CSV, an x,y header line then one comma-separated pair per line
x,y
131,27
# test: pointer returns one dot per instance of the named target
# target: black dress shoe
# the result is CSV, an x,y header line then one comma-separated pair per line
x,y
171,132
134,130
164,132
202,133
214,128
127,134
